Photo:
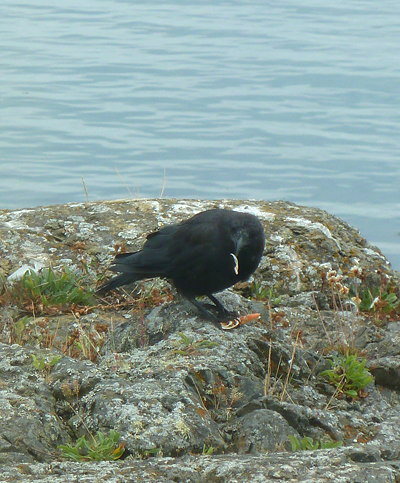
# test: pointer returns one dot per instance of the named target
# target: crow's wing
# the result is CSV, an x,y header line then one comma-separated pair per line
x,y
196,246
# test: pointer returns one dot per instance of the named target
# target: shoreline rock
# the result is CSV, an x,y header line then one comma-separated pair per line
x,y
240,392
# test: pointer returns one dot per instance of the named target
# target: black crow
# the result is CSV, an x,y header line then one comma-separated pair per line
x,y
205,254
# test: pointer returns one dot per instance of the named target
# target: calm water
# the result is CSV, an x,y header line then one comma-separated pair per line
x,y
244,99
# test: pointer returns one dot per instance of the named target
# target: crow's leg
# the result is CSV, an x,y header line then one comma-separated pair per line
x,y
222,311
204,312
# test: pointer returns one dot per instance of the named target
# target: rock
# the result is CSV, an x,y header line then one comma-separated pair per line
x,y
30,428
386,371
302,243
212,405
321,466
260,431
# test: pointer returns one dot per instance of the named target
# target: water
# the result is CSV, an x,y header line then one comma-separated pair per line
x,y
238,99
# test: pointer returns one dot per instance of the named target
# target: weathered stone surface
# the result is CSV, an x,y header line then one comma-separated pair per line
x,y
320,466
260,431
302,243
239,397
386,371
29,426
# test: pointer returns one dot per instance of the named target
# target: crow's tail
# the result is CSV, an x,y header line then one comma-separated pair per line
x,y
128,275
133,267
117,281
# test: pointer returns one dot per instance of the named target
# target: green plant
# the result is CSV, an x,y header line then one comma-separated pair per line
x,y
20,327
258,291
348,374
376,300
189,346
99,447
147,453
308,444
47,288
207,450
42,363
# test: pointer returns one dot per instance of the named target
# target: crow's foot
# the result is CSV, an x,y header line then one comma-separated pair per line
x,y
207,311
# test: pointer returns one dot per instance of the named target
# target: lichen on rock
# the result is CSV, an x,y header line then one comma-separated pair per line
x,y
200,403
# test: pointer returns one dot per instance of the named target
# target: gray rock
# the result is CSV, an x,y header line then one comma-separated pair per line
x,y
173,384
321,466
260,431
30,428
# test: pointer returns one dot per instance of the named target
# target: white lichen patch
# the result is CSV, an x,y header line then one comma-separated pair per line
x,y
276,238
313,225
256,211
100,208
65,261
128,412
77,218
370,252
188,207
33,254
295,264
13,220
131,234
86,229
275,268
312,275
184,207
79,228
76,205
152,205
325,266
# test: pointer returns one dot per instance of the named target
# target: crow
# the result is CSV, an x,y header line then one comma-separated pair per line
x,y
202,255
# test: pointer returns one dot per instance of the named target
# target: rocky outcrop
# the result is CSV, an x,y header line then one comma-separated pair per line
x,y
302,243
175,386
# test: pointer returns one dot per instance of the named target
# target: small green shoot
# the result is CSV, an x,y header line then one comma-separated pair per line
x,y
348,374
258,291
20,327
308,444
42,363
99,447
189,346
207,450
147,453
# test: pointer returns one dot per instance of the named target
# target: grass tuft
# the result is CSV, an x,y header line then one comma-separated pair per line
x,y
48,291
309,444
99,447
188,346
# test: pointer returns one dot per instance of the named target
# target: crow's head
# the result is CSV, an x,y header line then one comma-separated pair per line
x,y
240,238
246,243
